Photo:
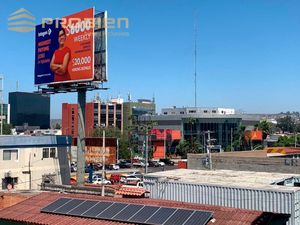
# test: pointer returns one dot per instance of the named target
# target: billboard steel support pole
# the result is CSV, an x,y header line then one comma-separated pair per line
x,y
81,137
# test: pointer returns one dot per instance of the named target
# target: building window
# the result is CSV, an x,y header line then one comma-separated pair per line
x,y
52,153
181,112
10,154
205,111
165,113
192,111
214,111
49,153
45,153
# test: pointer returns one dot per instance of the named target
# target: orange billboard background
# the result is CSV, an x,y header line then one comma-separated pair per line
x,y
80,39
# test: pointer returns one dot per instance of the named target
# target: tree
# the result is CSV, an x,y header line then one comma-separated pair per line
x,y
109,132
57,126
267,128
286,124
7,129
188,146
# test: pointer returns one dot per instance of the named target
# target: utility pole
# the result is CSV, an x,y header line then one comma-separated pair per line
x,y
231,137
29,171
146,153
81,137
103,163
117,150
208,149
295,139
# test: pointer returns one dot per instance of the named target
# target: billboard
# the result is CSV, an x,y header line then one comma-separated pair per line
x,y
65,49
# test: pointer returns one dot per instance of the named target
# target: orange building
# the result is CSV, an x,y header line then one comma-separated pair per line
x,y
164,141
255,135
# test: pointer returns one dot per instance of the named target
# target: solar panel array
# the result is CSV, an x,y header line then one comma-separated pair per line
x,y
130,213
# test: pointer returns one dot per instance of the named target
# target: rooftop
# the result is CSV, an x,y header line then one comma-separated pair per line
x,y
29,141
228,178
28,211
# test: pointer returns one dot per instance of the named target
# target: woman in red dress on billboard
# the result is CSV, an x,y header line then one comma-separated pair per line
x,y
60,59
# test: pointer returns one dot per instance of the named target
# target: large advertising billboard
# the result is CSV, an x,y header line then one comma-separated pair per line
x,y
65,50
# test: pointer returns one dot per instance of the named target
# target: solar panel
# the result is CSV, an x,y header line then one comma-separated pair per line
x,y
144,214
85,206
179,217
112,210
132,213
128,212
69,206
97,209
161,216
199,217
55,205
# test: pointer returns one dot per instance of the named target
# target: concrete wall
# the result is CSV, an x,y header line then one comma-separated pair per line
x,y
259,164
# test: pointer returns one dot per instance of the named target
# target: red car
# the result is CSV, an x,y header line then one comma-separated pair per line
x,y
115,178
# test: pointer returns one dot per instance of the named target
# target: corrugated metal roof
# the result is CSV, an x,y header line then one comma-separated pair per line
x,y
28,211
27,141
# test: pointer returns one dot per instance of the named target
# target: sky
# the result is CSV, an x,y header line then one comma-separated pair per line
x,y
248,52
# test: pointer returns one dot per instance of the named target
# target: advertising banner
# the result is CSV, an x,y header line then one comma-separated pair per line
x,y
64,50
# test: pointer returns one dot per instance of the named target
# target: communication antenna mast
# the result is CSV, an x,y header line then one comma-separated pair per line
x,y
195,55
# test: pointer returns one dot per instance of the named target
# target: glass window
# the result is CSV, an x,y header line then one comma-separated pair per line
x,y
45,153
52,152
10,155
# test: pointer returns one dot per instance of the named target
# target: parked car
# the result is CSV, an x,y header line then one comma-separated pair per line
x,y
100,181
73,168
140,163
129,178
113,167
124,164
97,166
96,175
167,162
137,174
115,178
153,163
159,163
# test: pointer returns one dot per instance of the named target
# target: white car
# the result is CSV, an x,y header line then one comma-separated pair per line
x,y
99,181
129,178
159,162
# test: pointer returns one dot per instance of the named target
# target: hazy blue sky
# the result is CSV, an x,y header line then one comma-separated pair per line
x,y
248,51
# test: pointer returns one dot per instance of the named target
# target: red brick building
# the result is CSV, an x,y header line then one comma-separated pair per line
x,y
97,114
70,119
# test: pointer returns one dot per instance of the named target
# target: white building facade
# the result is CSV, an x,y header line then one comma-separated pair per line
x,y
197,110
28,161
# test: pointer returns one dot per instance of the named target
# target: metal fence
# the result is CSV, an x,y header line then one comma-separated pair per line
x,y
286,202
